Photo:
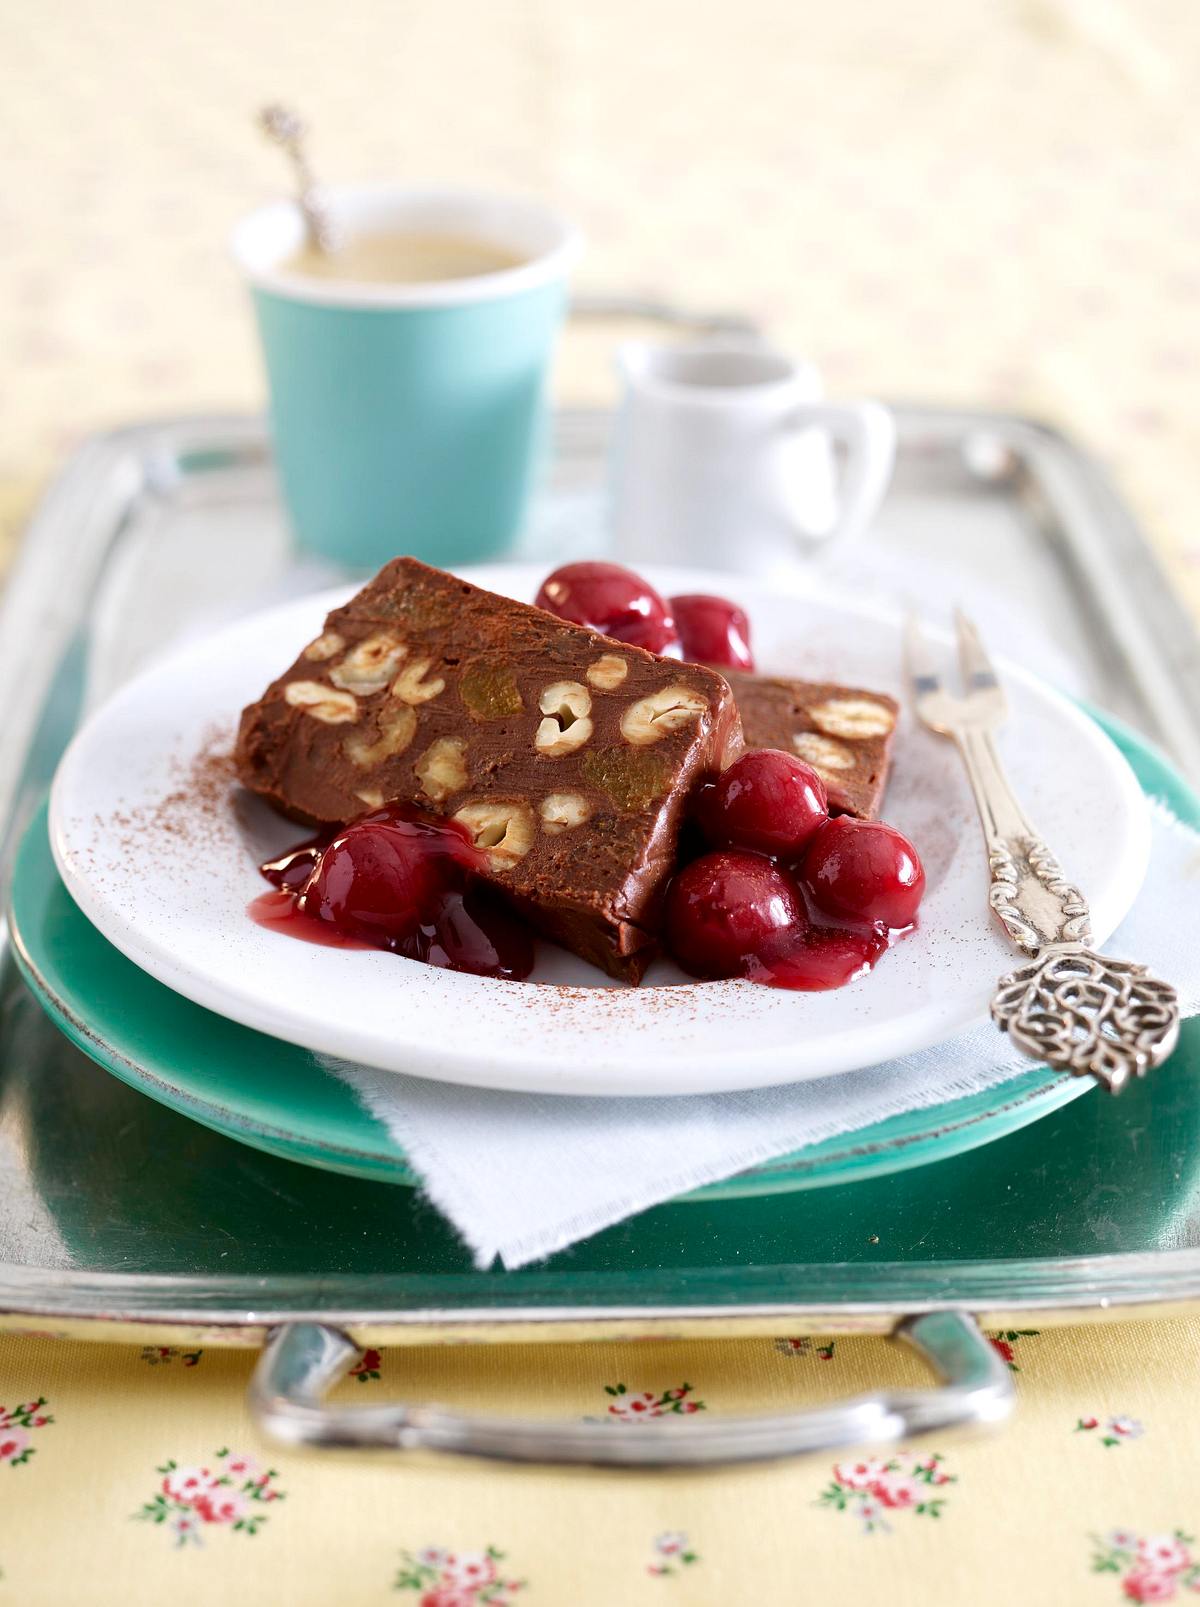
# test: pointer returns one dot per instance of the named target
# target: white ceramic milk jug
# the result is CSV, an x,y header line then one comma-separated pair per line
x,y
725,458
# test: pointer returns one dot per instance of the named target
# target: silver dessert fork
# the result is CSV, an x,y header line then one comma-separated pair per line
x,y
1077,1010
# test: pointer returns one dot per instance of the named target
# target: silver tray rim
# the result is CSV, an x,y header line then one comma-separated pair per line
x,y
81,515
417,1309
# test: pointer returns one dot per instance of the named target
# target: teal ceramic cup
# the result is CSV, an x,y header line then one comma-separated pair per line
x,y
408,418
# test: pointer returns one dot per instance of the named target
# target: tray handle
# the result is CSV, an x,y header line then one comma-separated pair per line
x,y
302,1361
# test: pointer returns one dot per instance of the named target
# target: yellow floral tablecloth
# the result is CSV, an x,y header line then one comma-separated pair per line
x,y
134,1477
994,203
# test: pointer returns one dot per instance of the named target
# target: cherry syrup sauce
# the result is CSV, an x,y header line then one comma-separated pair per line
x,y
400,880
279,911
824,957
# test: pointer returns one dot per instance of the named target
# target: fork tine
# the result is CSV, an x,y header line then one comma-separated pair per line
x,y
922,670
978,674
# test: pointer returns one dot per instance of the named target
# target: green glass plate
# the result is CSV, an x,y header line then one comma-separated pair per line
x,y
277,1097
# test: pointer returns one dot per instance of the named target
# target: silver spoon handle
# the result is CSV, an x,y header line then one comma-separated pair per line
x,y
282,125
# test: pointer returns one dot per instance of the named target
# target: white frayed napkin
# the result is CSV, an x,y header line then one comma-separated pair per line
x,y
523,1175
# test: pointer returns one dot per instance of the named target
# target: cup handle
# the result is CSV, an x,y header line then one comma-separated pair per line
x,y
868,432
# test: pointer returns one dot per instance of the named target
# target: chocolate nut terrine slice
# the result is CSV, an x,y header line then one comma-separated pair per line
x,y
845,734
568,757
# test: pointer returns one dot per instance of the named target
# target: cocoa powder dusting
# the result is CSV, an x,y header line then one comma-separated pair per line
x,y
195,813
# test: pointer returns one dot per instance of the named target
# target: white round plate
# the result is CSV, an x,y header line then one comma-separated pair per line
x,y
165,869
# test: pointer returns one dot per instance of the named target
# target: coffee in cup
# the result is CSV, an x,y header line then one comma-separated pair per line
x,y
403,258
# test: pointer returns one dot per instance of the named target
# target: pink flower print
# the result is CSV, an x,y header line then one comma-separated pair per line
x,y
645,1404
860,1475
671,1553
1144,1585
895,1490
802,1345
15,1425
468,1569
1004,1341
444,1578
12,1442
185,1526
635,1406
185,1484
870,1512
1117,1430
157,1355
870,1487
1164,1554
220,1506
367,1366
231,1498
1122,1539
1124,1428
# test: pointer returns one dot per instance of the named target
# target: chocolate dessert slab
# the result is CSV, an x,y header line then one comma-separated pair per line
x,y
568,757
845,734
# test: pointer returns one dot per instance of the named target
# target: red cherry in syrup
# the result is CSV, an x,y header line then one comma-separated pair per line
x,y
474,932
728,912
767,800
401,880
712,630
825,957
384,876
864,870
611,600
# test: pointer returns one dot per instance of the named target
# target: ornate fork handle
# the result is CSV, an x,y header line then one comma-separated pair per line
x,y
1078,1010
1088,1014
1029,892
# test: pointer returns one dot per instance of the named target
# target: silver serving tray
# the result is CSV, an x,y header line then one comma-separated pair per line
x,y
171,527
